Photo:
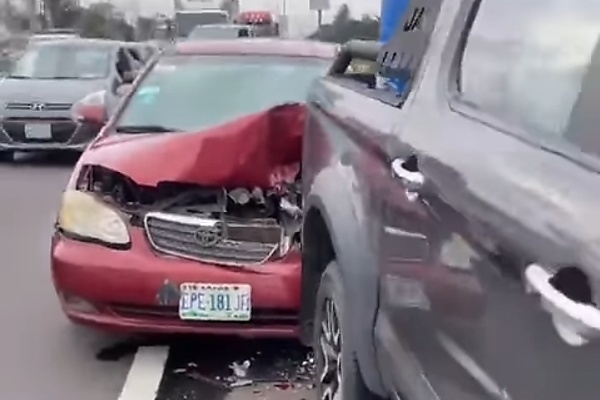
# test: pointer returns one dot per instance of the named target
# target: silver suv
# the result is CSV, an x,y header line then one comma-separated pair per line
x,y
40,96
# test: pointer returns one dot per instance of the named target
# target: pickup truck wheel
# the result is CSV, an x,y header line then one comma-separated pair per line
x,y
337,373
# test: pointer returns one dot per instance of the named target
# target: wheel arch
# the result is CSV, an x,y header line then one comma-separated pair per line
x,y
332,231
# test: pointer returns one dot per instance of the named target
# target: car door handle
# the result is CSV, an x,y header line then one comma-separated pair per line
x,y
412,181
575,322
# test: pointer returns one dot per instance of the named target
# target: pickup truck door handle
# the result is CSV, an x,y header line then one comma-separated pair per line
x,y
576,323
412,181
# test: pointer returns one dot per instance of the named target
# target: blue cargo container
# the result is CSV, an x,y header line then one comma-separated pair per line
x,y
392,12
391,16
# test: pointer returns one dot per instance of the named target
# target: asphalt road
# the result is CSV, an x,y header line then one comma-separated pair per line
x,y
43,356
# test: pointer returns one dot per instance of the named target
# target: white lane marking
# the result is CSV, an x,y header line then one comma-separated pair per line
x,y
145,374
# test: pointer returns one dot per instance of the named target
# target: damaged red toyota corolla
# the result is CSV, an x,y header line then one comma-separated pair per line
x,y
183,216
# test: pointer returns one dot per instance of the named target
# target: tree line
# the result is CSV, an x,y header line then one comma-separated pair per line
x,y
98,20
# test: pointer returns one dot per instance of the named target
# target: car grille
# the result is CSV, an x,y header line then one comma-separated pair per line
x,y
62,129
242,242
22,106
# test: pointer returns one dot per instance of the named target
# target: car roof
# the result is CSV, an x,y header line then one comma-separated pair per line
x,y
260,46
42,37
81,42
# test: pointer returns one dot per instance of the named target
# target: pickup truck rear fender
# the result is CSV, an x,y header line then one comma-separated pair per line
x,y
333,207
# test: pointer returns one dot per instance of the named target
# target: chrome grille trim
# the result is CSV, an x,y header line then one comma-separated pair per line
x,y
28,106
18,106
62,129
174,234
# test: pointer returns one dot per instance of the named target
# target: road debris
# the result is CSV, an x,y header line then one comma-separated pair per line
x,y
259,369
240,370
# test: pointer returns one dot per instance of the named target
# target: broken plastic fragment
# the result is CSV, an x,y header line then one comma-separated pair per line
x,y
240,370
283,385
290,208
240,383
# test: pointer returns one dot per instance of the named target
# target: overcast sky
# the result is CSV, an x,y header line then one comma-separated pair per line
x,y
293,6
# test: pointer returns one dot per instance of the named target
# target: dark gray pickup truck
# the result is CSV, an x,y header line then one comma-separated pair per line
x,y
451,236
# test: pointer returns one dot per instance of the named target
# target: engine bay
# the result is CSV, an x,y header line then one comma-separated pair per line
x,y
243,216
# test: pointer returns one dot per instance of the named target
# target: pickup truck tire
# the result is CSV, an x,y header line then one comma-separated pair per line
x,y
337,369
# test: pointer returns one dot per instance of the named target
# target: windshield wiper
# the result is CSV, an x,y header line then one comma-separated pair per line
x,y
144,129
18,77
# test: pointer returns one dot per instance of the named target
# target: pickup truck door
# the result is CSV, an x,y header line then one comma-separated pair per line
x,y
488,262
486,288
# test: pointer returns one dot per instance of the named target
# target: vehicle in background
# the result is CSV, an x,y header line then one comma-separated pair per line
x,y
183,214
46,86
164,33
54,34
450,238
227,31
262,22
186,20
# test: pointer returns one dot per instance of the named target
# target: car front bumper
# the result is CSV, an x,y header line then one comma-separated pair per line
x,y
65,135
118,290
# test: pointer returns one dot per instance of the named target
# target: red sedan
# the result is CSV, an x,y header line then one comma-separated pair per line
x,y
183,216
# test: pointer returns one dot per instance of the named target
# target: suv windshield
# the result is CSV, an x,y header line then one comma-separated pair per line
x,y
63,61
191,93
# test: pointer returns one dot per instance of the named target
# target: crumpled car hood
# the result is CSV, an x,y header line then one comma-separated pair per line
x,y
259,150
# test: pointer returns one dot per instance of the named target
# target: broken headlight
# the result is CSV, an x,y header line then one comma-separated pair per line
x,y
85,217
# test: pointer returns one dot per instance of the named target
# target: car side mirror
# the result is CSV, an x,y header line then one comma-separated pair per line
x,y
124,89
91,109
129,77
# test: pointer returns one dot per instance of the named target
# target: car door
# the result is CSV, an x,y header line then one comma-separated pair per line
x,y
497,296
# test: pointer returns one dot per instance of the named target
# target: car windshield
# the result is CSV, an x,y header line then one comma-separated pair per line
x,y
63,61
191,93
218,32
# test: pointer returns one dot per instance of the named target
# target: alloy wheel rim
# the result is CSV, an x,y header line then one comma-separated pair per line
x,y
330,354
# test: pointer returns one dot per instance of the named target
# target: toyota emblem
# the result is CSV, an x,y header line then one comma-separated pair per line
x,y
209,236
37,106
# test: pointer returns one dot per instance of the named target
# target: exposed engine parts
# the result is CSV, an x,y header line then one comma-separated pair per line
x,y
238,226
